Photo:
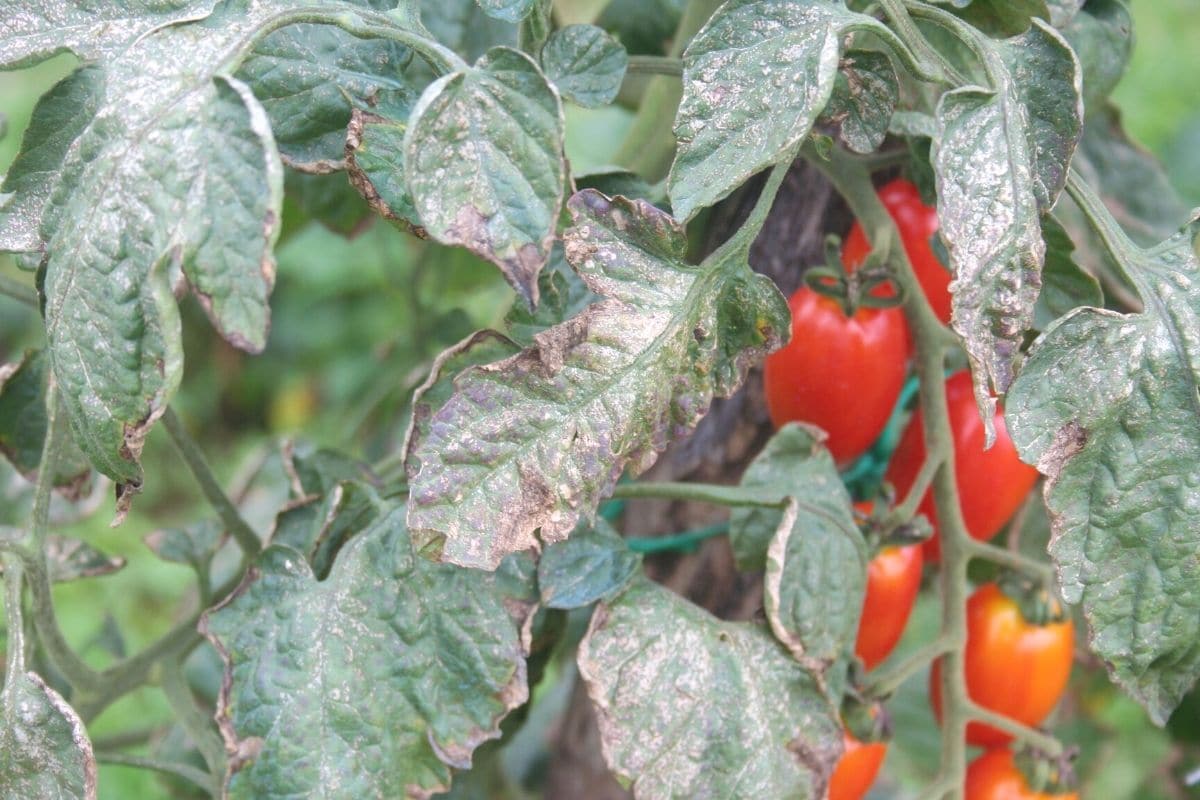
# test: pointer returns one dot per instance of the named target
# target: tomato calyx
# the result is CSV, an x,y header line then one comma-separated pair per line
x,y
1035,600
871,285
880,530
1050,774
867,720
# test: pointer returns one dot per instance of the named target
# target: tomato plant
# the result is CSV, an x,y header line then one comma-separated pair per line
x,y
994,776
918,225
992,483
841,373
1015,667
505,270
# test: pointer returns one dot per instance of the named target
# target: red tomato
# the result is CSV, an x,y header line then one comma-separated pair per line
x,y
857,768
893,579
842,374
917,223
992,484
994,776
1014,667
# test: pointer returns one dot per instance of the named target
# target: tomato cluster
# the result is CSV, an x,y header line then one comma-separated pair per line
x,y
844,371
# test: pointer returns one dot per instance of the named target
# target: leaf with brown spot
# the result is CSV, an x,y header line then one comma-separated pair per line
x,y
44,748
535,441
690,706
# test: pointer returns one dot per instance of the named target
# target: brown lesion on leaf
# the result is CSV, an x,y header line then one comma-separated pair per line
x,y
359,119
818,757
1069,441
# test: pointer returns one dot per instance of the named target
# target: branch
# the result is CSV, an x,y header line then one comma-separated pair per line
x,y
14,656
1011,559
185,771
655,65
885,682
1030,736
695,493
245,536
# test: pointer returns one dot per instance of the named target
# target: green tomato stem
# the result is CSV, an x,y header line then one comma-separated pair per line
x,y
695,492
18,291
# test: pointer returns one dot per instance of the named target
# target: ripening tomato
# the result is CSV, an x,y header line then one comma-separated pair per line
x,y
840,373
856,769
893,580
917,224
992,484
994,776
1013,667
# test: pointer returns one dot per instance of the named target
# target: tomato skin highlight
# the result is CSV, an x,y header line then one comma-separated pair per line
x,y
1013,667
917,224
856,769
994,776
893,581
841,374
992,484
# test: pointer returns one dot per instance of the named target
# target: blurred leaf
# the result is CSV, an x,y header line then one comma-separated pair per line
x,y
643,26
329,199
594,564
1065,285
193,545
562,296
1101,35
585,64
465,28
614,181
1002,17
44,749
507,10
736,717
413,664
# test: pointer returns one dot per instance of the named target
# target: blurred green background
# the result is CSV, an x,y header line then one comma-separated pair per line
x,y
355,323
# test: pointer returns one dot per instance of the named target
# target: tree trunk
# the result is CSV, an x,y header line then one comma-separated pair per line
x,y
734,430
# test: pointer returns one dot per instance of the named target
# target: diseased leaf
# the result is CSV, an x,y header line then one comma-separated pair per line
x,y
33,30
594,564
1065,285
864,96
481,347
58,118
690,706
585,64
562,295
755,79
1000,158
373,682
1107,408
23,426
507,10
484,164
309,78
44,749
69,559
614,181
374,152
535,441
817,560
792,463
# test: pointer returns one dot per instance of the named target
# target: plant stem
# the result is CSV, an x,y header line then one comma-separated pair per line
x,y
199,726
185,771
695,493
905,511
1122,249
18,291
655,65
1011,559
14,656
688,540
884,683
1030,736
242,533
929,61
854,183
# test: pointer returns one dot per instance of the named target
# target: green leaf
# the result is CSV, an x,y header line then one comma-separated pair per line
x,y
614,181
644,27
59,117
1003,17
37,29
1107,408
329,199
1101,35
375,164
1062,12
755,79
507,10
864,97
792,463
538,439
310,77
23,426
481,347
193,545
585,64
1065,285
483,161
177,167
562,295
1000,158
371,683
69,559
594,564
463,26
690,706
44,748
